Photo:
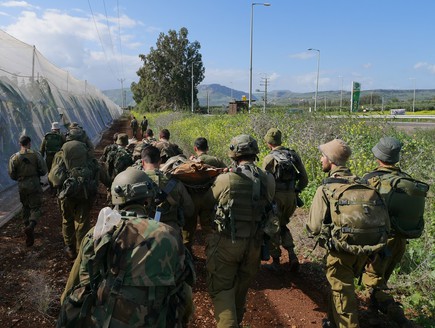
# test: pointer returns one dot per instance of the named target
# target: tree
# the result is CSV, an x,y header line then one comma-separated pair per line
x,y
165,79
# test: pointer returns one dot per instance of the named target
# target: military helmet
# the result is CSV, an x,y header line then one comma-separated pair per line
x,y
74,134
132,185
243,144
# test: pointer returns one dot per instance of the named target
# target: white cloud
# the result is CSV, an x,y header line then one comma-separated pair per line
x,y
86,46
426,66
21,4
303,55
367,65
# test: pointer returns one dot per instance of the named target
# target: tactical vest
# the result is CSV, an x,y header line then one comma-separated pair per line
x,y
243,214
54,142
26,172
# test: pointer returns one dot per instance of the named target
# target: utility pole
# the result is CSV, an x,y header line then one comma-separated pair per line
x,y
265,82
192,90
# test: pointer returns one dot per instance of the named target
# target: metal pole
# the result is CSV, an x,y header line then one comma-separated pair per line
x,y
317,82
192,88
341,92
251,44
122,92
413,102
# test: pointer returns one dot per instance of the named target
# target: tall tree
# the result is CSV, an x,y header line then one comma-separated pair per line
x,y
165,79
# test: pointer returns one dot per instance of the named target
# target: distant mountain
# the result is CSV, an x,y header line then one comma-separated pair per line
x,y
219,95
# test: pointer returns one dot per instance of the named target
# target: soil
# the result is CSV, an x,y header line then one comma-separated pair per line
x,y
33,278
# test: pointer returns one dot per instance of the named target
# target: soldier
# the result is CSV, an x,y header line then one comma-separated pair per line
x,y
52,143
167,149
341,266
381,265
150,293
144,125
26,167
78,192
174,201
290,179
119,158
134,126
76,132
201,196
149,136
233,249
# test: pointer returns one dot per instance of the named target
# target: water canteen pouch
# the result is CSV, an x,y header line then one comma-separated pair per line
x,y
405,198
359,217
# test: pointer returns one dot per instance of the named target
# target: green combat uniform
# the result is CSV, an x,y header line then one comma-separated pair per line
x,y
50,145
285,196
144,277
151,293
204,205
144,126
176,203
26,167
76,207
381,265
341,267
233,249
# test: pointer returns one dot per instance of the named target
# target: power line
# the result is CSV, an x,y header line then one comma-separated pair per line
x,y
119,38
101,41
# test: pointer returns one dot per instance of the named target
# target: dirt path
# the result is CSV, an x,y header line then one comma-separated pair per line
x,y
32,279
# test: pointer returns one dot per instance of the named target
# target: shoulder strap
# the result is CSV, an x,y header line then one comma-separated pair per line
x,y
373,174
335,180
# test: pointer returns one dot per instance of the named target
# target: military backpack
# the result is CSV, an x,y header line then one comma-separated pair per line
x,y
357,221
54,142
118,160
285,170
405,198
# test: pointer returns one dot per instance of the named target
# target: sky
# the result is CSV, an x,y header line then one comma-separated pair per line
x,y
383,44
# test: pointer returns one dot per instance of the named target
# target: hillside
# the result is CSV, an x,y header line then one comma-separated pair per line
x,y
219,95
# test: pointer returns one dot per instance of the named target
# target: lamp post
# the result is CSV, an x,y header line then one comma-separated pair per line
x,y
251,43
317,83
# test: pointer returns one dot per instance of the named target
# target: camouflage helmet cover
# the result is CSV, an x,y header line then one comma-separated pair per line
x,y
132,185
243,144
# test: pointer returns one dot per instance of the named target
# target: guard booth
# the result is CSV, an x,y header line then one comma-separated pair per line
x,y
238,106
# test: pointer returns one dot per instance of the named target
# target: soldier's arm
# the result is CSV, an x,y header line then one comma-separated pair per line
x,y
268,163
42,166
12,168
270,186
42,148
318,211
302,176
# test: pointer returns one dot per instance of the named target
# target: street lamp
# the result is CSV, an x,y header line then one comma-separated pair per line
x,y
317,83
250,65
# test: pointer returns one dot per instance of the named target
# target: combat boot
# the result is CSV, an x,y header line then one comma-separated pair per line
x,y
274,266
396,314
293,261
30,233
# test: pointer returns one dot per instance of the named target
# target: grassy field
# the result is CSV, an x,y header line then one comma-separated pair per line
x,y
414,281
